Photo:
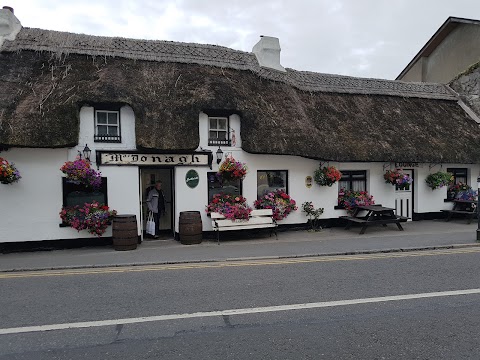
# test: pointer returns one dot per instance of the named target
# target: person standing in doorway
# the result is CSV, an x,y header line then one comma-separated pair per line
x,y
156,204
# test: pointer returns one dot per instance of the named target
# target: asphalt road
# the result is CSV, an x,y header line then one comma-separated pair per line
x,y
320,326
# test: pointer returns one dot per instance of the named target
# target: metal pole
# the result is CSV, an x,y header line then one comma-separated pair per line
x,y
478,208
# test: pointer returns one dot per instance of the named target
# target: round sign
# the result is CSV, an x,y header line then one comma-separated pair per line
x,y
308,182
192,178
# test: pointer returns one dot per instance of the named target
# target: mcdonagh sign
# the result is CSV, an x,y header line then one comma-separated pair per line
x,y
121,158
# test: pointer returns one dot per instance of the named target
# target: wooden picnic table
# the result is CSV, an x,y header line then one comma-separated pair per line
x,y
376,215
464,207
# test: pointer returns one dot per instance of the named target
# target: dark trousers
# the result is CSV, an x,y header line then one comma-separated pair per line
x,y
156,218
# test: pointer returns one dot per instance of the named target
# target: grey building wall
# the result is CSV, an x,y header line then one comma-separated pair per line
x,y
459,50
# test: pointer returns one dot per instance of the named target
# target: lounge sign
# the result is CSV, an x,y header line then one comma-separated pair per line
x,y
120,158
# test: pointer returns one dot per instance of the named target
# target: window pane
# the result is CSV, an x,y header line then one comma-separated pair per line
x,y
228,187
343,185
221,135
358,185
102,130
222,124
213,135
269,181
101,117
213,123
113,130
113,118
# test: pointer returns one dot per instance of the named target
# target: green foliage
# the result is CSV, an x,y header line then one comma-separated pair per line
x,y
313,214
439,179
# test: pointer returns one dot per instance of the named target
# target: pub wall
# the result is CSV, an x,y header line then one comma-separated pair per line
x,y
30,207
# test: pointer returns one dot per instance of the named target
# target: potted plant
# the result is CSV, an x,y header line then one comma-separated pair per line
x,y
93,217
467,195
439,179
397,177
327,175
313,214
454,189
279,201
8,172
349,199
233,207
230,169
80,172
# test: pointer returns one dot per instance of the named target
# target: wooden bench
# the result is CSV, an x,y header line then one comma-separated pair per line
x,y
463,207
376,215
258,219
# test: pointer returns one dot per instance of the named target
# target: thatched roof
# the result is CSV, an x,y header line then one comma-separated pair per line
x,y
45,77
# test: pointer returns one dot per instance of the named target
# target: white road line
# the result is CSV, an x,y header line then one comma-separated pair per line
x,y
88,324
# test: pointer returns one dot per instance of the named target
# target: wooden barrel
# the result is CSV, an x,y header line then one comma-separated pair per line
x,y
124,232
190,227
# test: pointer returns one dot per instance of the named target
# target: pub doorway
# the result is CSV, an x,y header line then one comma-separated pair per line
x,y
404,198
148,177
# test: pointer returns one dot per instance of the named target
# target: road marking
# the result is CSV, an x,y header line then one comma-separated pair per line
x,y
233,312
225,264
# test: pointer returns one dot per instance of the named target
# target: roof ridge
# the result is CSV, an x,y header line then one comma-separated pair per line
x,y
213,55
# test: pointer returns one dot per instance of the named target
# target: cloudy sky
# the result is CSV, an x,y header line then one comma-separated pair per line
x,y
367,38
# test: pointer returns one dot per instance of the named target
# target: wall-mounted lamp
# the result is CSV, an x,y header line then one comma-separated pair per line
x,y
86,153
219,154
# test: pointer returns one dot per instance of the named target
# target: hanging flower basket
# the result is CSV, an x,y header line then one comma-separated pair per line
x,y
350,199
80,172
8,172
93,217
231,169
439,179
397,177
279,201
327,175
233,207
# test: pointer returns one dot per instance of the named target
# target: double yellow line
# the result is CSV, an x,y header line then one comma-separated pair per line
x,y
237,263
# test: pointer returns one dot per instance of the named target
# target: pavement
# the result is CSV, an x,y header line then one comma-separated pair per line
x,y
418,235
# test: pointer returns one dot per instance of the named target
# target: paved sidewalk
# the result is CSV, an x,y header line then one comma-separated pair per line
x,y
417,235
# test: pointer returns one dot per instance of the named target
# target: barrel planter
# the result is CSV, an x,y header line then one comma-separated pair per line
x,y
190,227
124,232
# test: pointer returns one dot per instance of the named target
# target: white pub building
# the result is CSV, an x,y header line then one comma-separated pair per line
x,y
160,110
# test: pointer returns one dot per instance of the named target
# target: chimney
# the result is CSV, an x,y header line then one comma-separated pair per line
x,y
9,25
267,51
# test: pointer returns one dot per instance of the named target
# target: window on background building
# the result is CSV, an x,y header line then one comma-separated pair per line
x,y
218,131
227,187
107,126
355,180
271,180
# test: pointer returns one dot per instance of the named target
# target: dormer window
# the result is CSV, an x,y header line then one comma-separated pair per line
x,y
218,134
107,126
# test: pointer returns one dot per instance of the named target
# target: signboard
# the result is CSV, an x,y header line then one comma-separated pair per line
x,y
407,165
122,158
308,182
192,179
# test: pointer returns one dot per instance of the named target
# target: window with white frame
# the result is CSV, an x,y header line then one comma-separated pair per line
x,y
218,133
107,126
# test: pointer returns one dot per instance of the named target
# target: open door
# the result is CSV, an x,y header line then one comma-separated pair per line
x,y
148,177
